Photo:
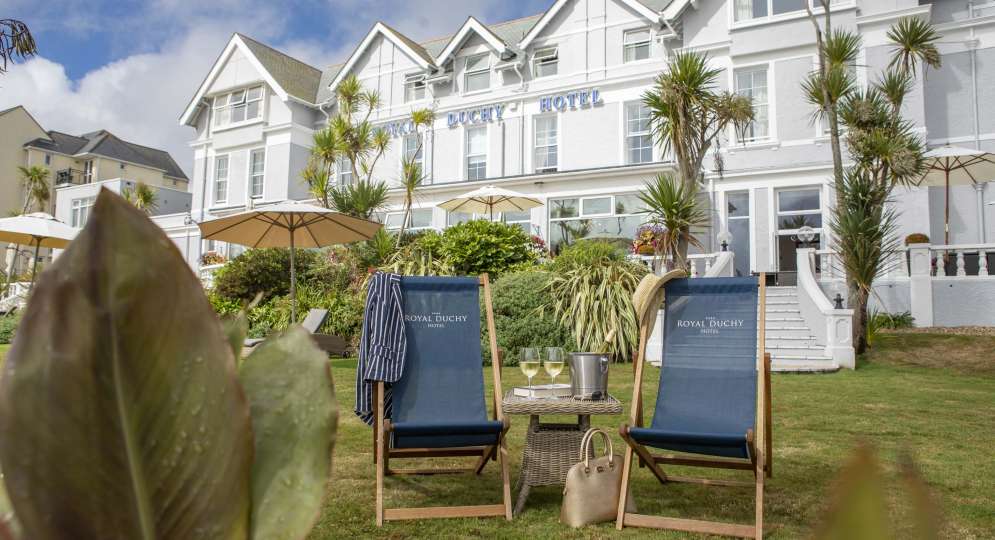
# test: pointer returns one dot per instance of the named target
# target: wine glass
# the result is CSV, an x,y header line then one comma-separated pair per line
x,y
529,363
555,358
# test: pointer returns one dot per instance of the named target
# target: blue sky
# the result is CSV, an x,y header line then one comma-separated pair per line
x,y
131,66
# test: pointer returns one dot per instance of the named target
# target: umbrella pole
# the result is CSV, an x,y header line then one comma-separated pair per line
x,y
946,209
293,282
34,265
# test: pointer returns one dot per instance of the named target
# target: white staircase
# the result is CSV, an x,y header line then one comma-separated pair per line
x,y
791,343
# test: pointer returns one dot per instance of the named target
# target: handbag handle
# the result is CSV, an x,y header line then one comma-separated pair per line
x,y
586,442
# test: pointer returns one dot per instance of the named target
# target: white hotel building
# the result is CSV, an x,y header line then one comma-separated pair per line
x,y
550,106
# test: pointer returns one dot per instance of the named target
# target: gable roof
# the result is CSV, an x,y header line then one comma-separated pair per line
x,y
287,76
106,144
412,49
26,112
295,77
642,7
475,26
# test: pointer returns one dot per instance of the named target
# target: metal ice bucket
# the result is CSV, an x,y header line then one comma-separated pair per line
x,y
589,375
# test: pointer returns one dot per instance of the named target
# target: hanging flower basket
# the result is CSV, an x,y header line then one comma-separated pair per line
x,y
647,239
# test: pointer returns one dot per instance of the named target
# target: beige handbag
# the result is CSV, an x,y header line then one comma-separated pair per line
x,y
593,485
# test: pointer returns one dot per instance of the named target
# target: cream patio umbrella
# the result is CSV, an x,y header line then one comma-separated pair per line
x,y
39,230
951,165
488,199
290,224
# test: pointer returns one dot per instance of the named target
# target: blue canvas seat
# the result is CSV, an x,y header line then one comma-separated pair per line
x,y
706,408
439,405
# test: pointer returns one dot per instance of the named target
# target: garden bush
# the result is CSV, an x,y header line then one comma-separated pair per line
x,y
518,298
586,253
8,325
261,270
480,246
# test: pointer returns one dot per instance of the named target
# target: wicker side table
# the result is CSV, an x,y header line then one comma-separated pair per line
x,y
551,449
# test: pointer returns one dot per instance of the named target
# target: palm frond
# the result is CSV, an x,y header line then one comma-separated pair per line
x,y
914,42
841,48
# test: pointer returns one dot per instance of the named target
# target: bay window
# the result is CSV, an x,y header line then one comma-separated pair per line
x,y
749,10
797,208
613,218
344,171
419,219
477,75
546,142
238,106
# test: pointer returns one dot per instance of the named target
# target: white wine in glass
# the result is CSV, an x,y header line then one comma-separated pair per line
x,y
529,364
555,358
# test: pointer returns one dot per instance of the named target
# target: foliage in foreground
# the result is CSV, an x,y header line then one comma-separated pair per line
x,y
168,438
8,326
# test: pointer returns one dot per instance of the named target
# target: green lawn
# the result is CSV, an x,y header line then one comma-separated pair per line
x,y
931,395
942,415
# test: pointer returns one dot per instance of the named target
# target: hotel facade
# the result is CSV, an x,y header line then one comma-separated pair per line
x,y
550,106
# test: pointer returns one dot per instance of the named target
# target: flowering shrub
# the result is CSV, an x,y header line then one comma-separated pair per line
x,y
538,246
647,239
212,257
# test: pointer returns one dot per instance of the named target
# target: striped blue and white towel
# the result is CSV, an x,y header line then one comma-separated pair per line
x,y
382,344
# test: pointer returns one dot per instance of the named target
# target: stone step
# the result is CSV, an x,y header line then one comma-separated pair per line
x,y
779,342
782,301
802,351
803,364
780,318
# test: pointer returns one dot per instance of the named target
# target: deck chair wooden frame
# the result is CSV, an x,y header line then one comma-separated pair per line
x,y
760,461
499,451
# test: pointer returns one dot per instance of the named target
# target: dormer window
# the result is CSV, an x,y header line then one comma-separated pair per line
x,y
238,106
414,87
477,75
636,45
545,62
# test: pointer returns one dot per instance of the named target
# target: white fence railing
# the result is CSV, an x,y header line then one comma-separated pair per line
x,y
831,326
207,274
17,297
961,260
718,264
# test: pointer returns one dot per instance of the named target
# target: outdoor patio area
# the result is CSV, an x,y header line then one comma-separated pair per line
x,y
928,394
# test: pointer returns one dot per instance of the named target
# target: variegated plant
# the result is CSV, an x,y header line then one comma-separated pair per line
x,y
123,414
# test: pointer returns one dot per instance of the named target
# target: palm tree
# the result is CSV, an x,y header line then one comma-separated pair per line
x,y
16,42
688,114
674,205
37,190
361,199
142,197
411,170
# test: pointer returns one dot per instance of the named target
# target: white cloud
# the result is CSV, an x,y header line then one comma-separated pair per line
x,y
141,96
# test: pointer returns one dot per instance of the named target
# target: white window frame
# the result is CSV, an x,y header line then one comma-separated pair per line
x,y
80,211
343,171
768,106
628,137
612,212
468,156
406,152
485,70
545,148
628,45
771,17
547,57
89,170
411,217
415,88
253,175
223,106
215,180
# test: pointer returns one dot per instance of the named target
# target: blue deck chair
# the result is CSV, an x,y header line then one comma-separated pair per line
x,y
714,375
438,405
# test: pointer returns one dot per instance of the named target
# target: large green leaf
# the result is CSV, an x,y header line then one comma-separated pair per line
x,y
294,416
121,415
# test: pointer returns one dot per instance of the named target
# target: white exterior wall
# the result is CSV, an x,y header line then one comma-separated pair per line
x,y
589,34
